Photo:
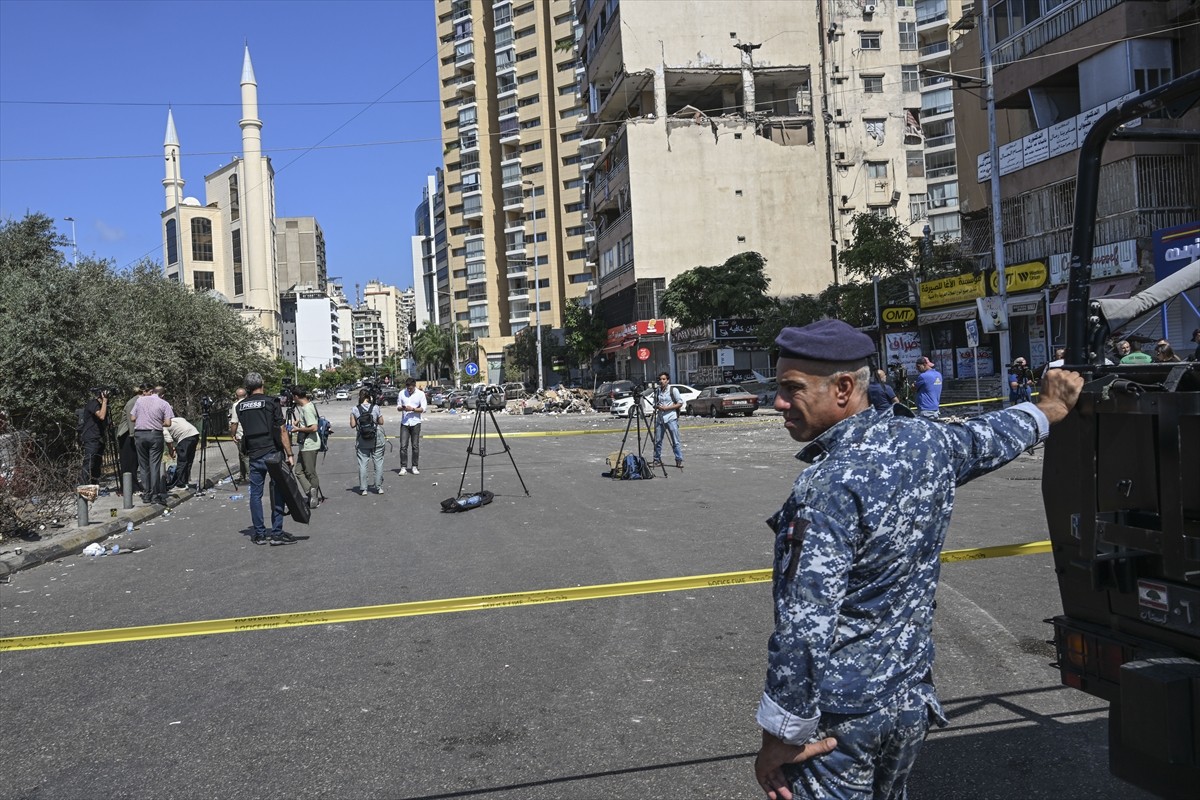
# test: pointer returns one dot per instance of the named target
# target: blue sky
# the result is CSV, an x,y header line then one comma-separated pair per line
x,y
103,74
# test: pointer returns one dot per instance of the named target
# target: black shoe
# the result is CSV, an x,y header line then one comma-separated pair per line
x,y
283,538
258,538
655,463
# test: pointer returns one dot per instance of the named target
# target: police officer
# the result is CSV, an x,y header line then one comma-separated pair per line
x,y
849,695
260,419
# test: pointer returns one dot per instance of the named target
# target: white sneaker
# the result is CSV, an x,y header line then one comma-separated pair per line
x,y
403,471
416,471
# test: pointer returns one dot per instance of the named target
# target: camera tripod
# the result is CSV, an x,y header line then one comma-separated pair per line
x,y
479,433
203,476
637,415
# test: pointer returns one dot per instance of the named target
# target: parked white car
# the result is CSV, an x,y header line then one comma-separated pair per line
x,y
622,407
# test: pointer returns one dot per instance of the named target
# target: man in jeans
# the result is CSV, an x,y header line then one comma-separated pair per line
x,y
667,403
309,443
263,434
411,404
367,420
928,386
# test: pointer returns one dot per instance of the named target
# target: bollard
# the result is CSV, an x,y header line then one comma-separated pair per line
x,y
82,512
127,489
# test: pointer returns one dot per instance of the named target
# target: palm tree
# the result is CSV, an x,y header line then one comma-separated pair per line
x,y
433,347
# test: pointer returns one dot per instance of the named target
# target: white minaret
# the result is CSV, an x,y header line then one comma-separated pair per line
x,y
256,263
172,182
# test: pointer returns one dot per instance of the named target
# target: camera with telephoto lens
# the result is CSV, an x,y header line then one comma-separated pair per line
x,y
99,390
206,404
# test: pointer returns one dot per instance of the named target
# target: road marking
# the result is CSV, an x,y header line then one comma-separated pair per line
x,y
445,606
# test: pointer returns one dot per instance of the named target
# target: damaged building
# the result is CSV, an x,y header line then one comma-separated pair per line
x,y
726,126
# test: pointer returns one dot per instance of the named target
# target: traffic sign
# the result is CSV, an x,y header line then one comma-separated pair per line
x,y
643,353
471,369
972,333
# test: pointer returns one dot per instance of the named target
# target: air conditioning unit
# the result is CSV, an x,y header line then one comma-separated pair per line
x,y
869,8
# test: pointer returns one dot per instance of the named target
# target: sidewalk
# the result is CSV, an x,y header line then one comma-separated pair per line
x,y
106,517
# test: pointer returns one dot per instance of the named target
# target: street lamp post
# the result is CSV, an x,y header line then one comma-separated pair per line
x,y
74,246
537,290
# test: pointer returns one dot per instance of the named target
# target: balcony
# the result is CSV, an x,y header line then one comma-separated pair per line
x,y
502,13
606,185
514,198
473,207
469,141
1059,22
518,267
934,142
461,9
932,52
464,54
510,130
465,84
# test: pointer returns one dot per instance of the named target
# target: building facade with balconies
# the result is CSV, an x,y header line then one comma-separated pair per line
x,y
513,171
1059,64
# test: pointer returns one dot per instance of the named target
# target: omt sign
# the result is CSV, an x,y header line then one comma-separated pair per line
x,y
899,315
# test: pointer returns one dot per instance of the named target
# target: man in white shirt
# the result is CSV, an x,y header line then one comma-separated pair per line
x,y
181,439
411,404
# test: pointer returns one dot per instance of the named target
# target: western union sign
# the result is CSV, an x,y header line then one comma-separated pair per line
x,y
899,315
951,291
1020,278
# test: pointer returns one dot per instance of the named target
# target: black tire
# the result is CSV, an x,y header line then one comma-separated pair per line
x,y
712,412
750,413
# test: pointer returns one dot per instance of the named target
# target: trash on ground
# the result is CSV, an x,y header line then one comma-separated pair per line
x,y
93,549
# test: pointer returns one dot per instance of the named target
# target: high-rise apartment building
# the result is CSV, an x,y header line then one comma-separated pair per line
x,y
368,335
395,307
937,25
1059,65
729,126
430,258
300,253
311,333
513,201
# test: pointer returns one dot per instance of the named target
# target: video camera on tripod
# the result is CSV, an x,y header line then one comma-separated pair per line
x,y
492,397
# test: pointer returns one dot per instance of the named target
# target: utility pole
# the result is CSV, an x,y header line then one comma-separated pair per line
x,y
74,246
537,293
985,41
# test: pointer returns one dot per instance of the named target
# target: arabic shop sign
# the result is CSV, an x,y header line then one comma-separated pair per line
x,y
1175,248
899,315
951,291
1018,278
724,329
617,336
651,327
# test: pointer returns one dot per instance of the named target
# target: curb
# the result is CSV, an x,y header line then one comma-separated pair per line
x,y
32,554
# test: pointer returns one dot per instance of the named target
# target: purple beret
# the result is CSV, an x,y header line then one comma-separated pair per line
x,y
825,340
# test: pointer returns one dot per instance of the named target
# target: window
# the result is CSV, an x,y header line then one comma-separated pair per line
x,y
527,101
572,136
910,78
943,195
573,207
202,281
536,122
238,283
869,40
908,36
528,54
583,277
202,240
570,88
574,183
941,164
872,84
234,200
574,111
576,255
521,34
877,169
528,78
504,37
172,243
525,148
506,83
466,117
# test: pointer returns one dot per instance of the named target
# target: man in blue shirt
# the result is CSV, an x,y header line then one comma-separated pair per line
x,y
849,694
929,389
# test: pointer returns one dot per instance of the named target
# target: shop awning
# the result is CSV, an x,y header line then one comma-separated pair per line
x,y
1113,288
947,315
622,346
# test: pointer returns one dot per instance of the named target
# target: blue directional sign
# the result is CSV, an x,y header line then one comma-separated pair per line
x,y
471,369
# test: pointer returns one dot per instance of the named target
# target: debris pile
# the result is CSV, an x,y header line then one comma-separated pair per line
x,y
554,401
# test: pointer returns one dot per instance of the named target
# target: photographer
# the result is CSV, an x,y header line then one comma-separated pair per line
x,y
181,439
309,444
366,419
263,434
667,402
1020,382
93,425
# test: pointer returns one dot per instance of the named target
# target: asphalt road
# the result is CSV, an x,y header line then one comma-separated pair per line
x,y
648,696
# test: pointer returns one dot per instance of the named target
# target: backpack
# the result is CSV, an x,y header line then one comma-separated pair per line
x,y
367,425
467,501
635,468
323,429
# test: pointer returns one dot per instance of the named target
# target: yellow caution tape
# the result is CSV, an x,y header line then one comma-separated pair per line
x,y
444,606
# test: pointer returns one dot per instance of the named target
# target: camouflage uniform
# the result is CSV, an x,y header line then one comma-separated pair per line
x,y
857,551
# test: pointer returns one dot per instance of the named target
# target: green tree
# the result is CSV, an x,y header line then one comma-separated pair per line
x,y
788,312
584,333
65,329
737,288
433,348
883,249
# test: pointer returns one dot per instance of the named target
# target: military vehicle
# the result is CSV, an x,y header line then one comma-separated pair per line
x,y
1121,488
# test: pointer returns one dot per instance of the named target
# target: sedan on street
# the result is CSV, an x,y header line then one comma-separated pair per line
x,y
622,407
719,401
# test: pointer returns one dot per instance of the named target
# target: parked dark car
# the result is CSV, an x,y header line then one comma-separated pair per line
x,y
720,401
606,393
